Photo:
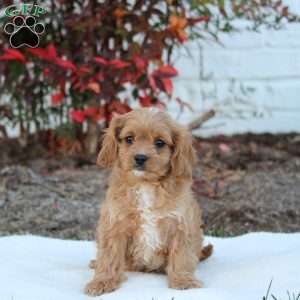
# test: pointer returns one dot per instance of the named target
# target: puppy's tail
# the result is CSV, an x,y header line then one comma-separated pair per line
x,y
206,252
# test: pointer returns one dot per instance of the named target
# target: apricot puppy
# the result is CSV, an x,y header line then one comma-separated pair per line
x,y
149,221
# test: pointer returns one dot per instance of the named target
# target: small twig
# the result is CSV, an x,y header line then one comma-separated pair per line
x,y
198,122
3,131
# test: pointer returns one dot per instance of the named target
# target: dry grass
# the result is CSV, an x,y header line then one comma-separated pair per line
x,y
269,295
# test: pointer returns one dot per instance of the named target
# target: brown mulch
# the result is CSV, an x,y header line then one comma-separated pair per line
x,y
243,183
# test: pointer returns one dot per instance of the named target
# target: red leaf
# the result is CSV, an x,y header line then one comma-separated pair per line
x,y
52,53
146,101
7,57
166,71
77,84
82,70
140,63
46,72
39,52
99,76
119,64
16,54
119,107
193,21
167,85
57,98
64,63
62,85
90,111
152,83
95,113
95,87
101,60
78,116
128,77
13,54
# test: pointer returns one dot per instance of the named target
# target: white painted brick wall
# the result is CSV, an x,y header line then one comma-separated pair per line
x,y
251,64
268,63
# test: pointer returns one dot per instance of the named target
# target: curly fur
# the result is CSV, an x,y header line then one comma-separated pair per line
x,y
149,220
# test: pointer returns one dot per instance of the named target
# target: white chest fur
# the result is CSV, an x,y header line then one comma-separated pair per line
x,y
149,239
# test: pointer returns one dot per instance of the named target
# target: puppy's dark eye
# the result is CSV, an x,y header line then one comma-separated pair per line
x,y
129,140
159,143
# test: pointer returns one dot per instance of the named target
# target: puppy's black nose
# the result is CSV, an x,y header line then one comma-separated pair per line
x,y
140,159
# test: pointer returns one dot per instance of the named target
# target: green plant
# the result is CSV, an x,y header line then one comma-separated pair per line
x,y
290,296
97,57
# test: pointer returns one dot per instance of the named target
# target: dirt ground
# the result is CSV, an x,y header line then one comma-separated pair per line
x,y
243,183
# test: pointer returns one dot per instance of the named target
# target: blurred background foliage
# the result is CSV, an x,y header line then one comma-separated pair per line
x,y
100,58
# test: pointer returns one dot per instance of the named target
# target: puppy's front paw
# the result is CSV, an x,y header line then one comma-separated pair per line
x,y
180,283
99,287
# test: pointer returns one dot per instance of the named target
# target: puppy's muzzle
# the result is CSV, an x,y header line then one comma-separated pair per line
x,y
140,160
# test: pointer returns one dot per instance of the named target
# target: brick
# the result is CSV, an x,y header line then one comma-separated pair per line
x,y
254,64
286,38
187,63
237,40
274,103
276,123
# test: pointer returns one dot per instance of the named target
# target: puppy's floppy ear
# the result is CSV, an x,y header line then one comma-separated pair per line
x,y
184,157
109,150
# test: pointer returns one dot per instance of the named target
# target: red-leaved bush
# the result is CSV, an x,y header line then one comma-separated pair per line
x,y
95,51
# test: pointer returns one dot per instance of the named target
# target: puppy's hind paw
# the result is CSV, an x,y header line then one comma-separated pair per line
x,y
99,287
185,283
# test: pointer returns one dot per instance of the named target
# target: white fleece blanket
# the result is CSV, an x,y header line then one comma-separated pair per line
x,y
241,268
